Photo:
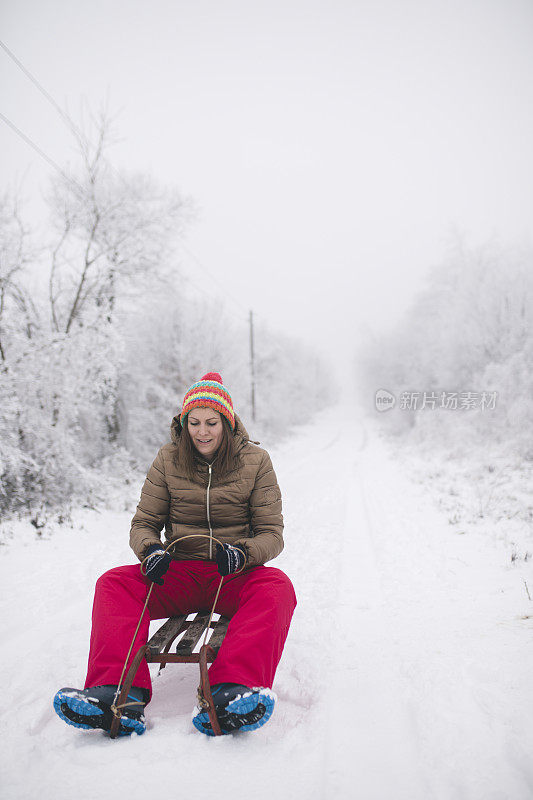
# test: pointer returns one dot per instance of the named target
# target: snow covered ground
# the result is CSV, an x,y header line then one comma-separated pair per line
x,y
407,672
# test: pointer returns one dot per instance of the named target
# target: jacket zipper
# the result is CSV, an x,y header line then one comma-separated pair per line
x,y
209,515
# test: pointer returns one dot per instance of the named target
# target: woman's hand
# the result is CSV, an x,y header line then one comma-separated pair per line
x,y
156,564
229,559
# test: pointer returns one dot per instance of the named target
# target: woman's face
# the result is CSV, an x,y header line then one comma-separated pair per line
x,y
205,430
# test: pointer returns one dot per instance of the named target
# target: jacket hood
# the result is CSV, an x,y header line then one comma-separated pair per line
x,y
240,433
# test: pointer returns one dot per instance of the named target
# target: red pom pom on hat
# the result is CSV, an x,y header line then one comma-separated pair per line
x,y
212,376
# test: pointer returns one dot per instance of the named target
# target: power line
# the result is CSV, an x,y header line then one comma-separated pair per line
x,y
242,320
71,125
214,278
80,135
73,128
40,152
208,272
78,186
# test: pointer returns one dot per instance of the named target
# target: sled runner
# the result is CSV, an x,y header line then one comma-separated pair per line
x,y
157,651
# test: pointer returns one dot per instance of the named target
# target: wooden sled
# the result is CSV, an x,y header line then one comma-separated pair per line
x,y
157,651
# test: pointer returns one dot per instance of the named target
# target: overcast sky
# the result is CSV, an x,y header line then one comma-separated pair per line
x,y
332,148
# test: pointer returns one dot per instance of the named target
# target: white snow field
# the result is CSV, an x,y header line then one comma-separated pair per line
x,y
406,674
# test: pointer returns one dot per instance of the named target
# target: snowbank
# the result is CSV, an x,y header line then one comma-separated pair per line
x,y
406,673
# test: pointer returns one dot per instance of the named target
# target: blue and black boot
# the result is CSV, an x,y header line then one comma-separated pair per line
x,y
91,708
238,708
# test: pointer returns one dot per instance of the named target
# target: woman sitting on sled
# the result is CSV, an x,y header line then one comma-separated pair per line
x,y
212,481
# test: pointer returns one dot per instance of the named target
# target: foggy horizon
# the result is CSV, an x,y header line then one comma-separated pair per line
x,y
334,153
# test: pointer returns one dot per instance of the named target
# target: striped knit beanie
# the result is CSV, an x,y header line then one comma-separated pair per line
x,y
209,393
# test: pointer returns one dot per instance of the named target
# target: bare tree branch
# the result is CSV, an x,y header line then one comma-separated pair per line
x,y
87,265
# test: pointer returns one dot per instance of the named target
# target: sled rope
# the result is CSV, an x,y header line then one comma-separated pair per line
x,y
114,707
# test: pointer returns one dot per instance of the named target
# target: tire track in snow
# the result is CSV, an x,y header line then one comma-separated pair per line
x,y
449,693
370,750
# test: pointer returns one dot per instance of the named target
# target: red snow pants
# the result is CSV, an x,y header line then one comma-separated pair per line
x,y
259,601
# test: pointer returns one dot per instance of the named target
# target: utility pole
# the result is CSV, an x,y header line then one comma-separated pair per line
x,y
252,363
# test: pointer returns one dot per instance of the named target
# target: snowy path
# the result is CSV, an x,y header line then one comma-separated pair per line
x,y
419,686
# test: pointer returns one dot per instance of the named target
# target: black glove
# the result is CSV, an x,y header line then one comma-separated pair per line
x,y
229,559
156,563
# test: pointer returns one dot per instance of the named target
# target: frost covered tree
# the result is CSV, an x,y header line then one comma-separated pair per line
x,y
470,330
112,237
292,382
111,230
18,325
18,315
115,235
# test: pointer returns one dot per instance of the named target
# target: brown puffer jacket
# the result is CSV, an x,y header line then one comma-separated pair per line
x,y
242,508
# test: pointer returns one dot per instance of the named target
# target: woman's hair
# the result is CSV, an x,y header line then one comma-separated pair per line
x,y
226,458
